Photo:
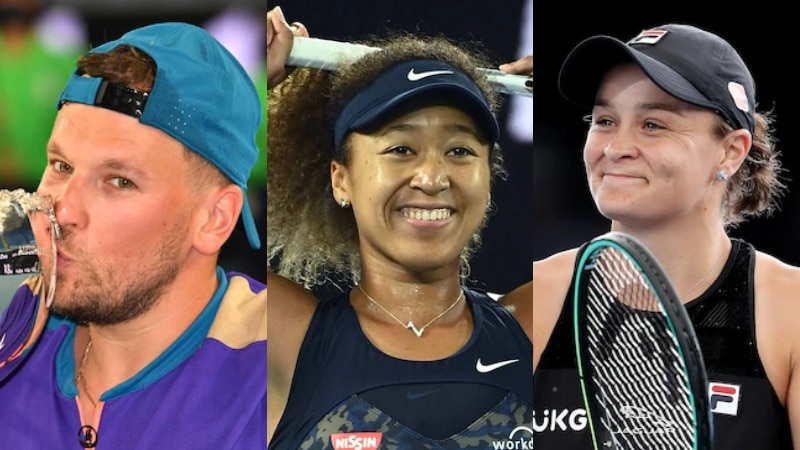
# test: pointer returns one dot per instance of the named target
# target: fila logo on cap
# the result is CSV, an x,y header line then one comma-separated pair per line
x,y
724,398
413,76
649,37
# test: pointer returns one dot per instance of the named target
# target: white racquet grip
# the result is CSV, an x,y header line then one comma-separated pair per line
x,y
328,55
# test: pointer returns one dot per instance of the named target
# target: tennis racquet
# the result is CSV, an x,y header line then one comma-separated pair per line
x,y
328,55
642,374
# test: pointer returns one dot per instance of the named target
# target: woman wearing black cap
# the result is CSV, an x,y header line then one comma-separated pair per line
x,y
676,155
381,173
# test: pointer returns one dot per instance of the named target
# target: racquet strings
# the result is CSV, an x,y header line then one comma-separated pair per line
x,y
635,364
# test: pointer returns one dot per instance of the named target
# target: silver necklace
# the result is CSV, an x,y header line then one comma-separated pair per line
x,y
410,325
704,276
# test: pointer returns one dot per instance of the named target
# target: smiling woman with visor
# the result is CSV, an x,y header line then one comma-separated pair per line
x,y
380,174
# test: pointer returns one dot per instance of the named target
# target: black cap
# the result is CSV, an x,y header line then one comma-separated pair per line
x,y
691,64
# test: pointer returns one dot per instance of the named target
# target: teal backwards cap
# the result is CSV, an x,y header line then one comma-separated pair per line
x,y
201,96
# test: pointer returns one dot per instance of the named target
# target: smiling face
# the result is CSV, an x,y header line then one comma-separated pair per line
x,y
650,157
419,188
124,203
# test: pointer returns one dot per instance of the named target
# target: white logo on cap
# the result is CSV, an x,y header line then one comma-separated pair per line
x,y
413,76
739,96
648,37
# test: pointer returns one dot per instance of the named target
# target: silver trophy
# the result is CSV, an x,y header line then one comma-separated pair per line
x,y
21,251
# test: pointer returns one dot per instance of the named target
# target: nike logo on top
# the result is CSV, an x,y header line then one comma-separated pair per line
x,y
414,76
486,368
414,396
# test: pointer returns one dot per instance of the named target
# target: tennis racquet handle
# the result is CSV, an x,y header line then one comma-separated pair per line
x,y
326,54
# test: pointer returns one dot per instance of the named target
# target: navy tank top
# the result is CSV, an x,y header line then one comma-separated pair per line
x,y
347,394
746,410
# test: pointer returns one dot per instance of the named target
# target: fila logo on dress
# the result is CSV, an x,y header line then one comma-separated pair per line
x,y
723,398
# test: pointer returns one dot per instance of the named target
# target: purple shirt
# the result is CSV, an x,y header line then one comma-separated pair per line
x,y
206,391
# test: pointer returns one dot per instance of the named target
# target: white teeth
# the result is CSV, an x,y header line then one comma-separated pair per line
x,y
426,214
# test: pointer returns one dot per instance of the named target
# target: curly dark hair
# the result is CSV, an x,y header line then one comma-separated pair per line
x,y
309,237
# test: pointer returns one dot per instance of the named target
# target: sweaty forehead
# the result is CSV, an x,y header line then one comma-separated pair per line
x,y
443,119
435,115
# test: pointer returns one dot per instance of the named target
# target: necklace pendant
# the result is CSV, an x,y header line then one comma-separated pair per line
x,y
418,331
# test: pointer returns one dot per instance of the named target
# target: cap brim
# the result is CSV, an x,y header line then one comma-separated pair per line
x,y
476,106
587,64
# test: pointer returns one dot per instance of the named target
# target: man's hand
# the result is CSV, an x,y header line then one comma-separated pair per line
x,y
280,36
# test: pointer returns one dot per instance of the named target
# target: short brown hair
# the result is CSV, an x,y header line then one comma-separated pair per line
x,y
754,190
